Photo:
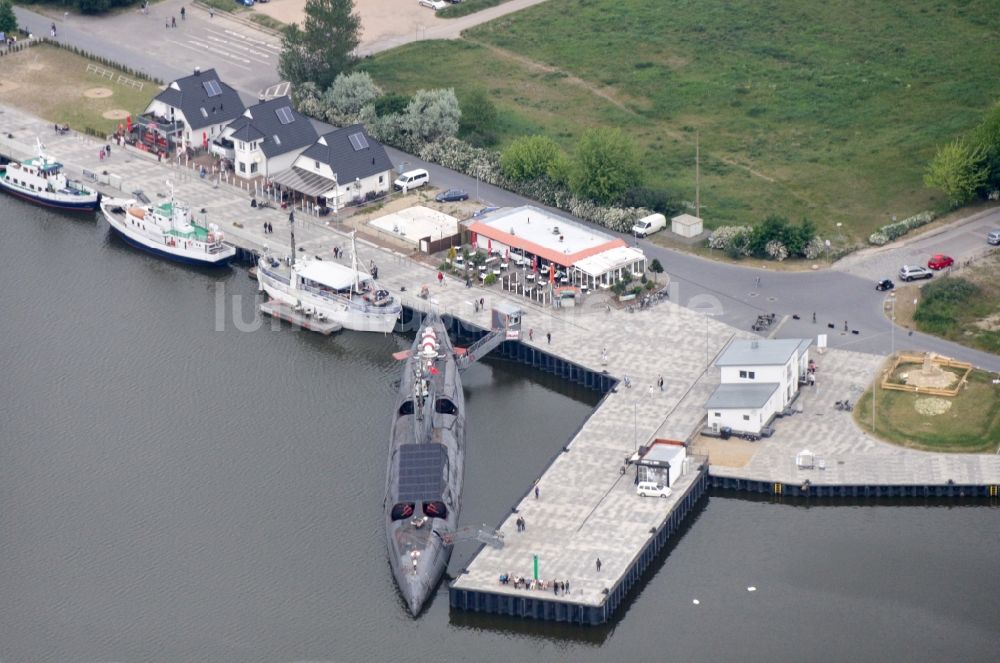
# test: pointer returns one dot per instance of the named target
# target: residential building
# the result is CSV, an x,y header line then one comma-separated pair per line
x,y
759,379
193,110
268,137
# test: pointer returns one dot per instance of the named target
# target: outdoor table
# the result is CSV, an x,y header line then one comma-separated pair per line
x,y
504,265
530,276
496,270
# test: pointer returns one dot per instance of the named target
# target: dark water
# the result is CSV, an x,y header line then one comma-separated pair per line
x,y
169,492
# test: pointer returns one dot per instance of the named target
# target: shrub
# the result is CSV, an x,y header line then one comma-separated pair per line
x,y
479,119
391,104
657,200
775,250
605,166
892,231
529,157
938,311
490,279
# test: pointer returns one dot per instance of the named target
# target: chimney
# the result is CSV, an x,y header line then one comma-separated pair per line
x,y
197,71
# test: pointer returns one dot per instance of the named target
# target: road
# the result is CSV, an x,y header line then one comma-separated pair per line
x,y
246,58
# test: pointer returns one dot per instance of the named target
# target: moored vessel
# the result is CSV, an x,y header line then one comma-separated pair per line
x,y
168,230
41,180
426,465
329,290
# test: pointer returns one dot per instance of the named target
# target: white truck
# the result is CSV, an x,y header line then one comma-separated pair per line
x,y
648,225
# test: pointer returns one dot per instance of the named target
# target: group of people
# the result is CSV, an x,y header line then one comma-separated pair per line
x,y
520,582
268,228
521,525
105,153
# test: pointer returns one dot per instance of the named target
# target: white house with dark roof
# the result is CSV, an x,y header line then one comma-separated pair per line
x,y
267,138
199,106
342,166
759,379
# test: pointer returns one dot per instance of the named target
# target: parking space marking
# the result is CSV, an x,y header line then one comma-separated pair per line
x,y
202,47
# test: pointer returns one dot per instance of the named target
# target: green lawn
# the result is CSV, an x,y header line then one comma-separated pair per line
x,y
828,110
971,425
970,317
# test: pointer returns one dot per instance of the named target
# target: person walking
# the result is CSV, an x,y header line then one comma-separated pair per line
x,y
598,564
756,283
182,13
814,317
660,383
537,492
548,337
211,12
173,21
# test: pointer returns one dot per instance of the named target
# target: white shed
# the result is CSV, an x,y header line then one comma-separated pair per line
x,y
686,225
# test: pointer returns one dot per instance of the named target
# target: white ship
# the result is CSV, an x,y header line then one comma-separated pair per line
x,y
330,291
41,180
168,230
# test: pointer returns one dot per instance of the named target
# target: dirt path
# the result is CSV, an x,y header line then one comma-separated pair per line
x,y
608,95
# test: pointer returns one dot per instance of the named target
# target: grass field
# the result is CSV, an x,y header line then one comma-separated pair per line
x,y
53,83
972,320
828,110
970,425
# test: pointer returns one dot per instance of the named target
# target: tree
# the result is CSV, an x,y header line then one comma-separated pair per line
x,y
656,268
432,114
529,157
958,169
479,119
987,137
391,103
323,47
8,21
605,167
349,93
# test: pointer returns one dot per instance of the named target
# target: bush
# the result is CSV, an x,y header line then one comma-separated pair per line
x,y
479,119
349,93
490,279
938,311
657,200
391,104
529,157
892,231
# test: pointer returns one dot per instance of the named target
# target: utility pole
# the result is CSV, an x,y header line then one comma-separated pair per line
x,y
697,174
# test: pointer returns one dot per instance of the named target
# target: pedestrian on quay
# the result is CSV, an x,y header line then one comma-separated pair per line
x,y
756,282
211,12
173,21
182,13
814,317
440,278
660,383
598,564
537,491
845,325
548,337
531,333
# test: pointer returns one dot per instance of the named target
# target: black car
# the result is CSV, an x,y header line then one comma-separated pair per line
x,y
451,195
885,284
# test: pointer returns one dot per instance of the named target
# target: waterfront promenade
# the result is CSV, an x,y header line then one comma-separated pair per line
x,y
586,508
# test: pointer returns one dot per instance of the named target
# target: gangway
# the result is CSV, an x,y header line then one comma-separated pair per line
x,y
481,533
506,326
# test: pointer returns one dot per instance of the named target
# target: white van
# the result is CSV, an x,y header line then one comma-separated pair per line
x,y
411,179
648,225
652,489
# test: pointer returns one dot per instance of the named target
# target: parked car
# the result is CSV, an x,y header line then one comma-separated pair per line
x,y
434,4
885,284
245,3
451,195
652,489
993,237
913,272
940,261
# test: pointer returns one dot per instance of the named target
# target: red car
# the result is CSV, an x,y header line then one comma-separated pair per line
x,y
940,261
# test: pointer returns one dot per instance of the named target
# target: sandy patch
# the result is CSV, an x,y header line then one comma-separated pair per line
x,y
734,452
97,93
36,66
379,19
931,407
7,86
115,114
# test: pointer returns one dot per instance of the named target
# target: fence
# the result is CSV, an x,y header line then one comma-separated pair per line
x,y
906,358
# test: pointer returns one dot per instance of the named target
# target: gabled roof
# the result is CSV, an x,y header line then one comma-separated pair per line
x,y
278,126
203,98
741,396
763,352
351,153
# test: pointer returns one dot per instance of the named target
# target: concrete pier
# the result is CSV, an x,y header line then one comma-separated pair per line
x,y
586,508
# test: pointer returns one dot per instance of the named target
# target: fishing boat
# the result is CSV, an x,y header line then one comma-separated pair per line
x,y
329,290
426,464
41,180
168,230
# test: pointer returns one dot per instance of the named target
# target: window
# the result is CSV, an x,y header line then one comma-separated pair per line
x,y
752,375
746,417
747,374
253,167
743,374
204,113
285,115
243,167
277,139
381,179
717,414
317,164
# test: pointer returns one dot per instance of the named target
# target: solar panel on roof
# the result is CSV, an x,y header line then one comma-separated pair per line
x,y
421,472
358,140
285,115
212,88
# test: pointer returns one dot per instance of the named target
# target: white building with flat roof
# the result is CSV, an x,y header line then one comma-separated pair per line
x,y
590,257
759,378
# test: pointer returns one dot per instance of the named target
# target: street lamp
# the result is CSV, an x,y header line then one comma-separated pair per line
x,y
892,324
635,426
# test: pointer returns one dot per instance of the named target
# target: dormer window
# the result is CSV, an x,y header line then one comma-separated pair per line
x,y
277,139
204,113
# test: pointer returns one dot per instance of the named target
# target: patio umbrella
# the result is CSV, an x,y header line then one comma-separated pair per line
x,y
128,123
552,274
204,139
535,268
489,245
475,243
506,255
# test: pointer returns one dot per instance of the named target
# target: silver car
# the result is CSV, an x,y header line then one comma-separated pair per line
x,y
913,272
